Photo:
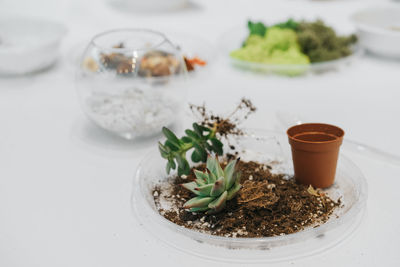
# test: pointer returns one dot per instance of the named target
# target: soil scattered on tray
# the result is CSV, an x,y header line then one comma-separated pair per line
x,y
267,205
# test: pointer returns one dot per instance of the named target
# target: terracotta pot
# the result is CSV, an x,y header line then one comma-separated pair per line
x,y
315,150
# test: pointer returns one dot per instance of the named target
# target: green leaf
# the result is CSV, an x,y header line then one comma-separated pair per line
x,y
257,28
228,174
208,146
183,171
201,175
212,178
204,190
168,168
218,187
191,187
171,146
199,209
171,136
217,145
197,129
201,151
181,160
196,157
211,164
164,153
218,204
203,128
198,202
199,182
186,139
192,134
214,167
172,163
233,191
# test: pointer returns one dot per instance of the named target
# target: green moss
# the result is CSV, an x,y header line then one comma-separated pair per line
x,y
320,42
278,46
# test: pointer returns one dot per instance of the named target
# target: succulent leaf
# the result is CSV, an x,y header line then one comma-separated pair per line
x,y
201,175
199,209
233,191
214,167
198,202
204,190
191,187
218,204
212,178
199,182
228,174
218,187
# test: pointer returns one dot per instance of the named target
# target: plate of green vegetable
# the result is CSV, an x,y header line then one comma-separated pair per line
x,y
289,48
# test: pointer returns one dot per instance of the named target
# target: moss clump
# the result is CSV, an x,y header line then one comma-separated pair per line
x,y
278,46
320,42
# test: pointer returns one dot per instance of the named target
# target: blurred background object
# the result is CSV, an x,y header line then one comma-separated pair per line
x,y
149,5
132,82
379,29
28,44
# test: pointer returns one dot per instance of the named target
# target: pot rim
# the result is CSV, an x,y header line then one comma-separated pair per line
x,y
338,139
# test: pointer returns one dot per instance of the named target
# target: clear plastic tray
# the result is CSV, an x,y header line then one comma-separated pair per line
x,y
265,146
233,39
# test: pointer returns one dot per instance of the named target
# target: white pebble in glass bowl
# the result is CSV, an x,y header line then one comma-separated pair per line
x,y
28,44
131,82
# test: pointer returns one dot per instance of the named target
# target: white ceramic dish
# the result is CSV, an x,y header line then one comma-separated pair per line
x,y
233,39
149,5
28,44
379,30
264,146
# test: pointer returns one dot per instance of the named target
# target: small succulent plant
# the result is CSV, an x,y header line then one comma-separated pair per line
x,y
213,188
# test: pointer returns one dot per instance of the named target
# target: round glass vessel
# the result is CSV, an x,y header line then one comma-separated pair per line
x,y
131,82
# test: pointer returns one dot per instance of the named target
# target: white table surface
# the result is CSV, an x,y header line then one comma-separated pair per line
x,y
65,185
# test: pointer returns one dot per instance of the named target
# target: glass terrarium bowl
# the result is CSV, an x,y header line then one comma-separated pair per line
x,y
131,82
262,146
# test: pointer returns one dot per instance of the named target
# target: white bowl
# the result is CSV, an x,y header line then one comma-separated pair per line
x,y
149,5
28,44
379,30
